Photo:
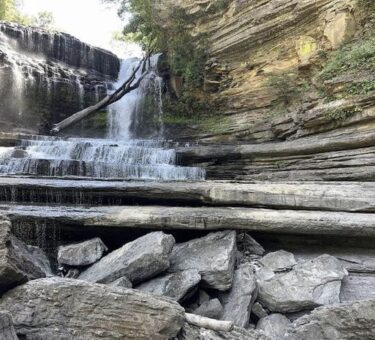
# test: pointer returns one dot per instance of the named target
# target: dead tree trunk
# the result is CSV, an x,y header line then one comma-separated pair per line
x,y
128,86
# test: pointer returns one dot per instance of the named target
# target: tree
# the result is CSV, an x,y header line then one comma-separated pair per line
x,y
44,20
9,11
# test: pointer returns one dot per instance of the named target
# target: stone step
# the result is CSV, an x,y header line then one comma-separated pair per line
x,y
297,222
325,196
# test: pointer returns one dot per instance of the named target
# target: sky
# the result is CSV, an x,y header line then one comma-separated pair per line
x,y
89,20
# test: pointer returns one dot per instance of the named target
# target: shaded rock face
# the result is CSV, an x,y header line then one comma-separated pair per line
x,y
346,321
91,311
309,284
19,262
81,254
139,260
210,309
48,76
213,256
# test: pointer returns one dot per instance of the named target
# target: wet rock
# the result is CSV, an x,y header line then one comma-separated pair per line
x,y
7,331
18,262
239,300
139,260
18,153
310,284
274,326
343,321
190,332
210,309
176,285
122,282
213,256
279,260
259,311
81,254
55,308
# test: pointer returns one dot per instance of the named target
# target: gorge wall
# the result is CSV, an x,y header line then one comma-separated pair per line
x,y
270,65
46,76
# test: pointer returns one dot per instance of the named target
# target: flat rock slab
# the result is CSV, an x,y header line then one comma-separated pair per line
x,y
202,218
310,284
212,255
139,260
7,331
240,299
274,326
19,262
279,260
345,196
343,321
81,254
56,308
175,285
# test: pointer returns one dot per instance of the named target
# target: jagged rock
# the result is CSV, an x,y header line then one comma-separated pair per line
x,y
274,326
139,260
213,256
239,300
18,262
210,309
122,282
82,254
343,321
176,285
7,331
279,260
259,311
59,309
190,332
310,284
248,244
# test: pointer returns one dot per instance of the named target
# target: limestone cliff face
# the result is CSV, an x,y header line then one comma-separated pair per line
x,y
260,52
46,76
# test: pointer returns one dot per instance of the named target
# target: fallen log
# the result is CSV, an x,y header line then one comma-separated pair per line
x,y
125,88
215,325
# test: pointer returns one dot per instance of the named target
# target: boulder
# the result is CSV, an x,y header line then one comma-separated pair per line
x,y
139,260
190,332
18,262
248,244
81,254
279,260
176,285
122,282
258,310
212,255
7,331
310,284
274,326
353,320
56,308
210,309
240,299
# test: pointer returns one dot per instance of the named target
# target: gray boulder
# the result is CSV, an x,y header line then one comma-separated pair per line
x,y
352,321
7,331
122,282
18,262
258,310
239,300
279,260
58,309
248,245
310,284
176,285
213,256
274,326
190,332
81,254
210,309
139,260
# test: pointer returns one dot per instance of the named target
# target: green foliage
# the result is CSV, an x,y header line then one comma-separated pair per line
x,y
356,56
9,11
342,114
44,20
362,88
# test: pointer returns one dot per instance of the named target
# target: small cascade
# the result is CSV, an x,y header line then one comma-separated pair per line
x,y
95,158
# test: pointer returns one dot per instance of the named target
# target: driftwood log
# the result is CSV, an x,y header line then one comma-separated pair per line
x,y
203,322
129,85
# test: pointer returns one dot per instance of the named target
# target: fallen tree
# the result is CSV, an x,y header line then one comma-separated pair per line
x,y
129,85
